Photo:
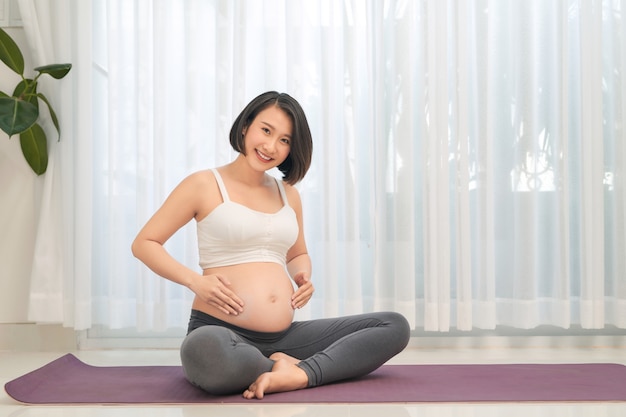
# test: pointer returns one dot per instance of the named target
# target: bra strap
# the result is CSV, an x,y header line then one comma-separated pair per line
x,y
220,184
283,194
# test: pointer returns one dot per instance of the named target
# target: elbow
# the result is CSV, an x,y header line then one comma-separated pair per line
x,y
135,248
143,248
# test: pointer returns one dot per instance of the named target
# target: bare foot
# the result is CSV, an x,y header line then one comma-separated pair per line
x,y
284,376
283,356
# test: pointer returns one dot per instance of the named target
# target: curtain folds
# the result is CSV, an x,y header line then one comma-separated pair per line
x,y
59,31
468,164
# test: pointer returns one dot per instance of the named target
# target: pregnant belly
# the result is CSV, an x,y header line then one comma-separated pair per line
x,y
265,289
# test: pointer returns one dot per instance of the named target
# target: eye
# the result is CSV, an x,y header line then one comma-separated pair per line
x,y
286,141
266,130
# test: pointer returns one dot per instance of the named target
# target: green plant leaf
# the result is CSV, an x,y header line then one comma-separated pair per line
x,y
35,148
16,115
56,71
53,115
10,53
27,90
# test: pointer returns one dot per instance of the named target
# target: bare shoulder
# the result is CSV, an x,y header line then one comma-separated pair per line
x,y
202,187
187,190
197,182
199,178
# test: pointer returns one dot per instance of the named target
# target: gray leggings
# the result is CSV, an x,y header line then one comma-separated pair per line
x,y
223,359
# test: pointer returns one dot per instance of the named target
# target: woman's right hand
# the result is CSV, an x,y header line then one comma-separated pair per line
x,y
215,290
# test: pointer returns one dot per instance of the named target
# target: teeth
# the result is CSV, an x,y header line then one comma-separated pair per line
x,y
267,158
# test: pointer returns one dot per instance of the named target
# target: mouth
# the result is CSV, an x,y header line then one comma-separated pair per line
x,y
262,156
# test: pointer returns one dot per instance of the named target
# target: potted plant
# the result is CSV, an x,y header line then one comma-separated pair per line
x,y
19,111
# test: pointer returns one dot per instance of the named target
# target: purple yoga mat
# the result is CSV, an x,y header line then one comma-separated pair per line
x,y
67,380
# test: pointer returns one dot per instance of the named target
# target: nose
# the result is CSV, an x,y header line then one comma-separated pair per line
x,y
270,145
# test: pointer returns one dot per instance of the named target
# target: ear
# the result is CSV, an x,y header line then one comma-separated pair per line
x,y
245,129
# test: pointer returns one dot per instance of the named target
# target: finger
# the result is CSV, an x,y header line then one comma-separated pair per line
x,y
232,300
305,287
229,309
226,303
296,298
301,301
224,308
227,295
303,292
223,280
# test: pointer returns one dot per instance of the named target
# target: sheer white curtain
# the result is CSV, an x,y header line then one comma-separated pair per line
x,y
468,162
59,31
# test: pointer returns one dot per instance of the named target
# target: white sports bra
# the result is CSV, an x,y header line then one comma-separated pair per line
x,y
234,234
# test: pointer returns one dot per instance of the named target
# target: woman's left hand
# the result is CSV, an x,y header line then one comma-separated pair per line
x,y
304,292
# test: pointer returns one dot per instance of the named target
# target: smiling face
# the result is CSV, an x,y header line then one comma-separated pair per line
x,y
298,161
268,138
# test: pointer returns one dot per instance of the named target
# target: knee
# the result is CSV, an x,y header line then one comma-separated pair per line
x,y
401,329
199,345
201,359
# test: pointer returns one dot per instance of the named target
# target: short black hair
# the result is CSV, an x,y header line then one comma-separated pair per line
x,y
301,147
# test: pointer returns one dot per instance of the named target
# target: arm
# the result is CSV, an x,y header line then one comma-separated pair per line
x,y
298,259
300,270
179,208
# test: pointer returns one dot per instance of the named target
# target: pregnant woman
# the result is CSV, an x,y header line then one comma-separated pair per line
x,y
241,335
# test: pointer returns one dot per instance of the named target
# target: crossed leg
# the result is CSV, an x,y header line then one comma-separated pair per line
x,y
332,350
312,353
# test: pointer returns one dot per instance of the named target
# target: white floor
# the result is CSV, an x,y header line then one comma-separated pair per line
x,y
14,364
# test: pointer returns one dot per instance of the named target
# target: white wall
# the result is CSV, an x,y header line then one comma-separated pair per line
x,y
18,197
